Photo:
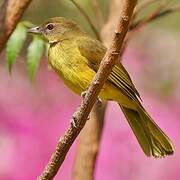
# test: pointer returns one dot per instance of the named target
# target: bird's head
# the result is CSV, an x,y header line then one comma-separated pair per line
x,y
56,29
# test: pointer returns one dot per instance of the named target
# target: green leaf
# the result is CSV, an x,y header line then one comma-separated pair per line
x,y
15,44
35,52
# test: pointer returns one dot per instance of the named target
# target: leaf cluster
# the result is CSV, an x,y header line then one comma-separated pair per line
x,y
35,50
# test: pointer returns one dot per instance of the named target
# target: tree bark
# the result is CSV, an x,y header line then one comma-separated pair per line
x,y
89,143
11,12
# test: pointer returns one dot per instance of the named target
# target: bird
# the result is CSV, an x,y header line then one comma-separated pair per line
x,y
75,56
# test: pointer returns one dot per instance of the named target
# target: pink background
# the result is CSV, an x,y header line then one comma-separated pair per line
x,y
34,115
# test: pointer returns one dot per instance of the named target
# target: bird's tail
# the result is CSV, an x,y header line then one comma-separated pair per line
x,y
152,139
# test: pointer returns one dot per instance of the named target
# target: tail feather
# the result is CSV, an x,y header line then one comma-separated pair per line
x,y
152,139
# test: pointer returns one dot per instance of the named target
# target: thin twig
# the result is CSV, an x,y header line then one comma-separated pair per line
x,y
135,27
97,11
146,4
142,6
11,13
168,11
154,16
138,24
81,10
81,115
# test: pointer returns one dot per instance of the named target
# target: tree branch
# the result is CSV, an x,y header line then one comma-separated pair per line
x,y
88,146
158,13
81,10
154,16
143,5
81,115
10,14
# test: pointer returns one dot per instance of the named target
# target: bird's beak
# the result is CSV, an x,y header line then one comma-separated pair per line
x,y
35,30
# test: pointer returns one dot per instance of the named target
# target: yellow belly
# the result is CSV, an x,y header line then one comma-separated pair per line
x,y
71,67
77,75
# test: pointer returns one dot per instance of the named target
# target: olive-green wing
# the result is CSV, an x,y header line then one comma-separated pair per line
x,y
94,51
120,77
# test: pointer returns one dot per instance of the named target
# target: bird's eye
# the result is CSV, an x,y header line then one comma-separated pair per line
x,y
50,26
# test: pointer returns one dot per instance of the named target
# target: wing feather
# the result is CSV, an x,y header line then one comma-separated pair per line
x,y
94,51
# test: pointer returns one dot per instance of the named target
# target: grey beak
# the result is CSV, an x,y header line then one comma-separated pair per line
x,y
35,30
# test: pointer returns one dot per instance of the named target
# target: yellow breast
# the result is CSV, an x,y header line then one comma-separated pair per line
x,y
71,66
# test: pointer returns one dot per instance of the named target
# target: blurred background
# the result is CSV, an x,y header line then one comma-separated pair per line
x,y
34,114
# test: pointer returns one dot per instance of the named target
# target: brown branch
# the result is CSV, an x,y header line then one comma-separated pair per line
x,y
81,115
158,13
143,5
11,13
154,16
88,146
81,10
